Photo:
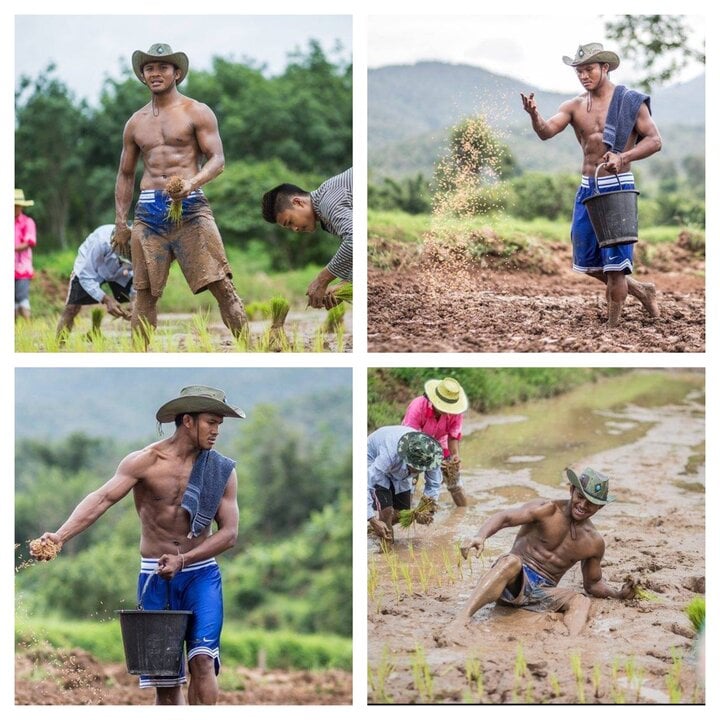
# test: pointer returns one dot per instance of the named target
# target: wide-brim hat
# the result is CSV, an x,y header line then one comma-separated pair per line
x,y
592,53
420,451
592,484
160,52
197,399
447,396
20,199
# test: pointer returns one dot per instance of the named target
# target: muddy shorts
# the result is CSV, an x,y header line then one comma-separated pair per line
x,y
194,242
22,293
198,587
77,295
389,498
588,256
536,592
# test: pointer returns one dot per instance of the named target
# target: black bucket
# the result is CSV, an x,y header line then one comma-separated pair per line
x,y
153,640
614,215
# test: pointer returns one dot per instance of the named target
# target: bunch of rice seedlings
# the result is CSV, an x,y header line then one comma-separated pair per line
x,y
344,292
421,513
44,550
279,308
174,185
696,612
642,593
334,318
258,310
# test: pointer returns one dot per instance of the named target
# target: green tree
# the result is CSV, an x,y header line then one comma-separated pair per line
x,y
657,45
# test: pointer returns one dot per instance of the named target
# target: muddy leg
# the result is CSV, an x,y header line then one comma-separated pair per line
x,y
231,307
645,293
575,614
388,516
458,496
67,319
144,314
488,590
169,696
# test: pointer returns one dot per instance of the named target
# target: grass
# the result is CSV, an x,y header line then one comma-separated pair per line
x,y
242,646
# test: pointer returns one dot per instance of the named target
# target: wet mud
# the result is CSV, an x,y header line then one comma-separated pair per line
x,y
633,651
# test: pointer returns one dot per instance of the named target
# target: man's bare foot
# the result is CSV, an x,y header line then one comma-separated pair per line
x,y
614,313
648,298
456,633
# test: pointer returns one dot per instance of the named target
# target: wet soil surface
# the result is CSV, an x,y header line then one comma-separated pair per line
x,y
433,301
632,651
52,677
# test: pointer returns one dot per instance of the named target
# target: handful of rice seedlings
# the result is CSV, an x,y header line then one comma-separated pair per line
x,y
344,292
422,513
44,550
696,612
279,308
174,185
334,318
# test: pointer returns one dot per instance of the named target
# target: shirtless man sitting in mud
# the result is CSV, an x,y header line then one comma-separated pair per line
x,y
180,485
173,134
553,536
632,136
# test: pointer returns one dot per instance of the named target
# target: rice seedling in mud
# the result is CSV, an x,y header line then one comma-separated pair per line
x,y
449,571
672,680
202,334
596,678
278,339
174,185
475,677
616,692
696,613
344,292
421,513
579,675
555,689
377,678
406,571
372,581
334,319
422,675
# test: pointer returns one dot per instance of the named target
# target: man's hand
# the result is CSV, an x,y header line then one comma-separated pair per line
x,y
329,299
169,566
181,191
476,543
316,292
614,162
120,240
114,308
627,591
380,529
529,104
46,547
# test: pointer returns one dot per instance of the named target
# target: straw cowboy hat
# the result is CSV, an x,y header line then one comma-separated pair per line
x,y
447,396
195,399
592,484
592,53
160,52
20,199
420,451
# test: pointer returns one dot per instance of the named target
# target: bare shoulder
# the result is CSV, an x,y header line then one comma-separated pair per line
x,y
595,538
542,508
139,462
199,110
571,106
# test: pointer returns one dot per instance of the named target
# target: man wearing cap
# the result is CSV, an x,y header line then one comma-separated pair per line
x,y
553,536
177,137
97,263
614,128
180,486
25,241
331,205
438,412
396,455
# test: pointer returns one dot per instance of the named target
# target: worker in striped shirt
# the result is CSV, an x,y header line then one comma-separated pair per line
x,y
331,206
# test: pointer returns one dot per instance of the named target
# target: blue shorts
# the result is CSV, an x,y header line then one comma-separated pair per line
x,y
153,207
198,587
535,592
588,256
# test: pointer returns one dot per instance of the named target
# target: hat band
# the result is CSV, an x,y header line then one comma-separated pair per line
x,y
451,401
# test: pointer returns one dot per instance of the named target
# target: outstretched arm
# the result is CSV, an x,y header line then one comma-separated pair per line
x,y
593,581
531,512
97,502
545,129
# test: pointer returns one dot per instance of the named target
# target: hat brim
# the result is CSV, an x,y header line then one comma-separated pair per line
x,y
24,203
606,56
179,59
574,480
190,404
450,408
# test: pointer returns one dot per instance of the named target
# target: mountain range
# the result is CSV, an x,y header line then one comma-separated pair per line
x,y
411,108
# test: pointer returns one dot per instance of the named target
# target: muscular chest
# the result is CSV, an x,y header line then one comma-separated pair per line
x,y
590,118
165,130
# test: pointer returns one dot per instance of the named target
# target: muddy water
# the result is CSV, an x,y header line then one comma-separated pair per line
x,y
646,430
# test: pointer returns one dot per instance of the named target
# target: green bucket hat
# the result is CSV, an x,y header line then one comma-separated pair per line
x,y
592,53
195,399
160,52
420,451
592,484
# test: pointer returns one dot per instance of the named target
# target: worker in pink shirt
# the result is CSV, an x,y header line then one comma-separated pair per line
x,y
25,240
438,413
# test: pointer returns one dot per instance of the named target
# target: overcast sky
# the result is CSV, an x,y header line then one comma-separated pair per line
x,y
525,47
89,48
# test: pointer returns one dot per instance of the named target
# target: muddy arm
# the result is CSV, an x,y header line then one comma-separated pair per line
x,y
593,581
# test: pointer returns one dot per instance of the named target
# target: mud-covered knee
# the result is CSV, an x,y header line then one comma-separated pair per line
x,y
510,564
